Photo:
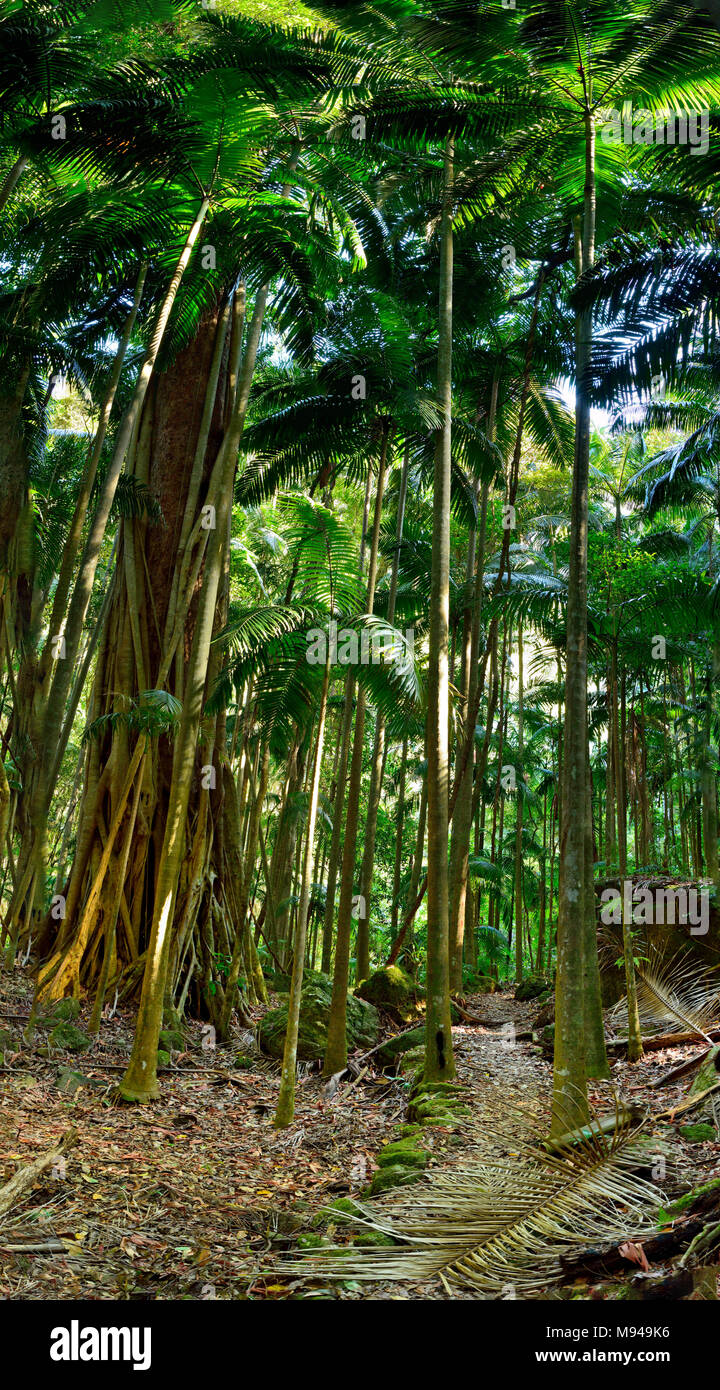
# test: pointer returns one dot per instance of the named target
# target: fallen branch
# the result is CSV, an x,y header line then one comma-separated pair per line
x,y
675,1073
608,1124
688,1104
658,1041
22,1181
41,1247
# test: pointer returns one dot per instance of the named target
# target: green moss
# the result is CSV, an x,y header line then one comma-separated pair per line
x,y
404,1151
363,1023
392,990
172,1040
394,1175
310,1241
373,1238
410,1062
388,1054
244,1062
342,1207
65,1011
69,1038
532,987
697,1134
683,1203
708,1073
438,1103
163,1058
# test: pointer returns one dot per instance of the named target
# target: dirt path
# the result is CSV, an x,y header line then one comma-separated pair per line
x,y
194,1196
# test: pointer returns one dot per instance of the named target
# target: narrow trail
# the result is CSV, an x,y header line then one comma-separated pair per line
x,y
197,1195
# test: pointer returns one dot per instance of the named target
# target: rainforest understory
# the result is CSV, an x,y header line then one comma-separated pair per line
x,y
359,650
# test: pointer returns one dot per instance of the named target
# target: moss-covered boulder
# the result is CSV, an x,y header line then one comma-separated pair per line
x,y
393,1175
546,1038
65,1011
387,1055
393,991
68,1038
697,1134
172,1040
343,1209
531,987
404,1151
707,1075
373,1238
163,1057
363,1023
482,984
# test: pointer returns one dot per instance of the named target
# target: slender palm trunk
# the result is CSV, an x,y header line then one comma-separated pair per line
x,y
377,767
286,1096
439,1060
570,1074
336,1050
519,819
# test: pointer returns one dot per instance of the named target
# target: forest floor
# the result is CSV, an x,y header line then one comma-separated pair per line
x,y
198,1196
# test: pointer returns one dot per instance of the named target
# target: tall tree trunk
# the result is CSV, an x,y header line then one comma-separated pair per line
x,y
570,1074
439,1060
140,1080
519,820
336,1050
286,1095
377,766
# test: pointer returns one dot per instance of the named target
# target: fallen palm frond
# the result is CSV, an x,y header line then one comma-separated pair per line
x,y
680,995
501,1226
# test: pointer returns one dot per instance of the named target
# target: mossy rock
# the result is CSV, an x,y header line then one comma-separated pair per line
x,y
394,1175
405,1152
392,990
531,987
483,984
70,1081
244,1061
341,1208
410,1062
7,1040
387,1055
697,1134
163,1057
707,1076
363,1022
172,1040
277,980
373,1238
69,1038
64,1011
